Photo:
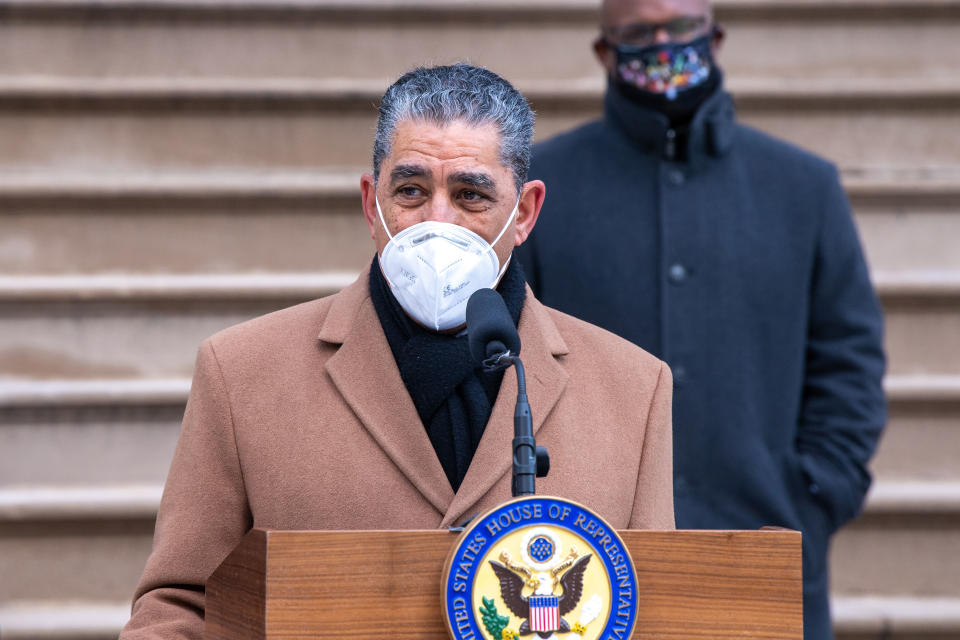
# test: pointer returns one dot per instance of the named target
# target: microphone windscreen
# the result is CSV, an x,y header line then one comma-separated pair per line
x,y
488,320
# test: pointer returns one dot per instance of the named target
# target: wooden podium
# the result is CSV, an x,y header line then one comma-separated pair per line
x,y
706,585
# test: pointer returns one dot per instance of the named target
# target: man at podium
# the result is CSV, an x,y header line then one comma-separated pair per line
x,y
365,410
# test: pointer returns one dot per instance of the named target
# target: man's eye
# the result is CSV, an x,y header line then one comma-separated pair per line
x,y
410,191
473,197
638,33
683,26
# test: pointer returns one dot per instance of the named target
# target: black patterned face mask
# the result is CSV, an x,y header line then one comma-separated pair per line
x,y
667,69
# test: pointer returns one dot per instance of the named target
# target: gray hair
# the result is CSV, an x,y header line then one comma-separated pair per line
x,y
459,92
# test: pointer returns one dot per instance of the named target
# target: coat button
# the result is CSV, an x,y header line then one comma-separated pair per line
x,y
678,273
676,176
679,374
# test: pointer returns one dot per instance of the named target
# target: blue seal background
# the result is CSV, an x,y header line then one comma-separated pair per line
x,y
541,549
471,628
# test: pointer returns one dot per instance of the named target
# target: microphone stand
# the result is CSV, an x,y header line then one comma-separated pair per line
x,y
529,461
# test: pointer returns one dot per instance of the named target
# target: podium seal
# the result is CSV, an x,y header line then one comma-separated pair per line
x,y
540,567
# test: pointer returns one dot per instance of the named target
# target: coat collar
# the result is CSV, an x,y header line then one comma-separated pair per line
x,y
366,375
710,131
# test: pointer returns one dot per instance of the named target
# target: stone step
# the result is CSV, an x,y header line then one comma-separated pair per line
x,y
900,554
922,329
922,437
25,505
523,39
865,618
65,442
70,503
241,222
929,391
84,433
91,545
150,325
907,220
890,498
103,339
63,620
265,128
98,559
221,221
896,618
855,619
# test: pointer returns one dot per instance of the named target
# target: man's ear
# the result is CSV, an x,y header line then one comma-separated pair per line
x,y
528,210
368,194
604,54
719,33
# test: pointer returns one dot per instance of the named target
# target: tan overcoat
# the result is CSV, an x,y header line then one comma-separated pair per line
x,y
299,420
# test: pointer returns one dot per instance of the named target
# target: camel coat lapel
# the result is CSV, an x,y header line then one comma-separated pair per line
x,y
366,375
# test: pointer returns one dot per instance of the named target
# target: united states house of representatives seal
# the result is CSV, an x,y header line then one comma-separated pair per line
x,y
539,567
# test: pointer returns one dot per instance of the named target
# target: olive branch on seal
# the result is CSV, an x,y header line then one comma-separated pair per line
x,y
492,621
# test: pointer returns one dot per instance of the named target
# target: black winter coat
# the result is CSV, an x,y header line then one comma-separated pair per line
x,y
734,257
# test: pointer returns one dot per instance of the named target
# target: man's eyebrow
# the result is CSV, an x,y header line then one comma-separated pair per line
x,y
478,180
404,171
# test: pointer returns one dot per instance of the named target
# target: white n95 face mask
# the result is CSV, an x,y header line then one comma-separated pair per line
x,y
434,267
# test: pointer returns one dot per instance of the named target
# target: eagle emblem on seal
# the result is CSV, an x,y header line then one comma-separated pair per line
x,y
555,592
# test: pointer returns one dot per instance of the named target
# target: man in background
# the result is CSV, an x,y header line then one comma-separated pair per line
x,y
734,257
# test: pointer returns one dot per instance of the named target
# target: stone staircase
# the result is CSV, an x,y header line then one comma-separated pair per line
x,y
171,167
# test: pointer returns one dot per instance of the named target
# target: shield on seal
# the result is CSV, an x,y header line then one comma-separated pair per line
x,y
544,613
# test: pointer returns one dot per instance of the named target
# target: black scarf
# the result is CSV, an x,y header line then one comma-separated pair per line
x,y
453,396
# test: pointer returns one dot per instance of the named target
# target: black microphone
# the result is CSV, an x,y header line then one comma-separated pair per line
x,y
495,344
490,329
